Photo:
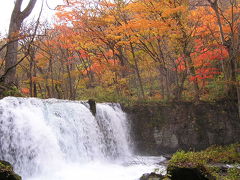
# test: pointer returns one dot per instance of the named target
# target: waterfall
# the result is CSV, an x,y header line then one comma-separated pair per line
x,y
59,139
35,133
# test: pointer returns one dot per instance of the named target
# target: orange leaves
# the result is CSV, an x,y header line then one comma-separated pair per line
x,y
109,53
208,23
109,19
83,54
167,12
41,60
153,15
97,39
101,67
107,4
64,16
25,91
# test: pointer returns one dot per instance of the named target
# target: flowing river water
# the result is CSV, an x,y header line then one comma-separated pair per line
x,y
61,140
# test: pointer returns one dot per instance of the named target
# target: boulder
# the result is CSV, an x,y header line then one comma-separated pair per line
x,y
152,176
92,104
184,173
6,172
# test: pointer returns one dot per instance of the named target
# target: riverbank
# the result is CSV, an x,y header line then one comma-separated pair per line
x,y
213,163
216,162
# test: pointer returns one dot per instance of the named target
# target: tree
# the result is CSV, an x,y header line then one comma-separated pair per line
x,y
16,21
169,49
228,21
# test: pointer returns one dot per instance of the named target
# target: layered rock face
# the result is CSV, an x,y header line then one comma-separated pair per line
x,y
158,129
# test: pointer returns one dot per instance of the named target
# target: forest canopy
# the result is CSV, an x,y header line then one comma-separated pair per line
x,y
157,50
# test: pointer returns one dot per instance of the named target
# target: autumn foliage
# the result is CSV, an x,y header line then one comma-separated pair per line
x,y
145,49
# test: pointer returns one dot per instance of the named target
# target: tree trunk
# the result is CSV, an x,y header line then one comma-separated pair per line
x,y
34,83
70,83
137,71
233,46
17,18
193,73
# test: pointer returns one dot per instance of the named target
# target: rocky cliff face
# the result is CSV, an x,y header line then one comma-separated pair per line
x,y
158,129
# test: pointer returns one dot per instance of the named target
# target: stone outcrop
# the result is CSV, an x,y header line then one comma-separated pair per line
x,y
152,176
178,173
7,173
158,129
92,104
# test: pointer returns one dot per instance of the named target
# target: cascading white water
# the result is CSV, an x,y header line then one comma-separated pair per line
x,y
56,139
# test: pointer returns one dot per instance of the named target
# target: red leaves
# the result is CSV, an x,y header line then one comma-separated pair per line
x,y
207,56
205,73
181,64
83,54
205,60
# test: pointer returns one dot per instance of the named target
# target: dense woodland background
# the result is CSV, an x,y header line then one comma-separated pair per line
x,y
121,50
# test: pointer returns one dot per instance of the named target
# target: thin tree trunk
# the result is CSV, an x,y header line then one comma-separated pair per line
x,y
193,73
34,83
233,51
70,82
137,71
41,91
17,18
30,77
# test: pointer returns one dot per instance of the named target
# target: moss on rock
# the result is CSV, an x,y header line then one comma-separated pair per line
x,y
209,164
7,173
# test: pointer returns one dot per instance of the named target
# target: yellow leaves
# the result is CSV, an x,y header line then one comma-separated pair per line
x,y
54,81
42,61
154,8
75,73
82,83
171,11
37,79
113,37
109,19
145,6
40,79
107,79
134,39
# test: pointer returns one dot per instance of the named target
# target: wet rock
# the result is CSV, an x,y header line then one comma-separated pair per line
x,y
92,104
183,173
152,176
6,172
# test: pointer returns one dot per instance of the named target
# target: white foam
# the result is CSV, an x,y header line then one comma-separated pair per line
x,y
61,140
